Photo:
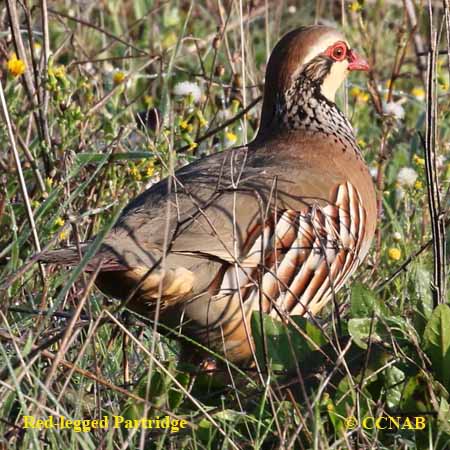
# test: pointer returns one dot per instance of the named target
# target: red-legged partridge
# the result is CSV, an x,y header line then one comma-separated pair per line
x,y
277,225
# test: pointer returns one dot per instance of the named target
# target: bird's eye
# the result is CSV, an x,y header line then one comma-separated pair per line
x,y
339,52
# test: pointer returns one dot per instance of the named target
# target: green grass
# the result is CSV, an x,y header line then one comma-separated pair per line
x,y
83,157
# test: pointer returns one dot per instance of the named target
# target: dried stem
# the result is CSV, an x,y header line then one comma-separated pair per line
x,y
434,201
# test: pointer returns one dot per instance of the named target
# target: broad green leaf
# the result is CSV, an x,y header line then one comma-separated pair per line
x,y
364,302
314,333
283,341
360,329
436,342
382,330
205,431
422,279
395,380
443,418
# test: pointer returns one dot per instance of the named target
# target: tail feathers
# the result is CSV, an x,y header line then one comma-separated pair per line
x,y
64,256
70,257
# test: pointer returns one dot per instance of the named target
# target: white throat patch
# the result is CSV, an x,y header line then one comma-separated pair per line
x,y
334,79
338,71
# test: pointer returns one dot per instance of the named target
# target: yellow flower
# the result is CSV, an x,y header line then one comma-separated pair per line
x,y
49,182
16,67
57,72
169,40
150,171
394,253
185,125
418,185
359,95
201,119
418,160
63,235
418,92
193,145
354,7
231,137
148,100
118,77
355,91
59,222
361,143
134,172
364,97
330,407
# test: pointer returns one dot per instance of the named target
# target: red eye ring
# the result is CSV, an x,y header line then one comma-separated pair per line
x,y
338,51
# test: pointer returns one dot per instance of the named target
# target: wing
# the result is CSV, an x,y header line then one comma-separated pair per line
x,y
185,236
202,219
209,208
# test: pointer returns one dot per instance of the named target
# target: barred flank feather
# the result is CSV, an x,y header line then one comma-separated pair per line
x,y
303,258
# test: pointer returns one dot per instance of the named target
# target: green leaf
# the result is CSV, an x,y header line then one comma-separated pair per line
x,y
382,330
205,431
395,380
436,341
359,330
283,341
421,298
364,302
314,333
176,396
443,418
415,394
336,418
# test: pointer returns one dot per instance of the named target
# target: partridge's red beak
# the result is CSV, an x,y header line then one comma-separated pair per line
x,y
357,62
